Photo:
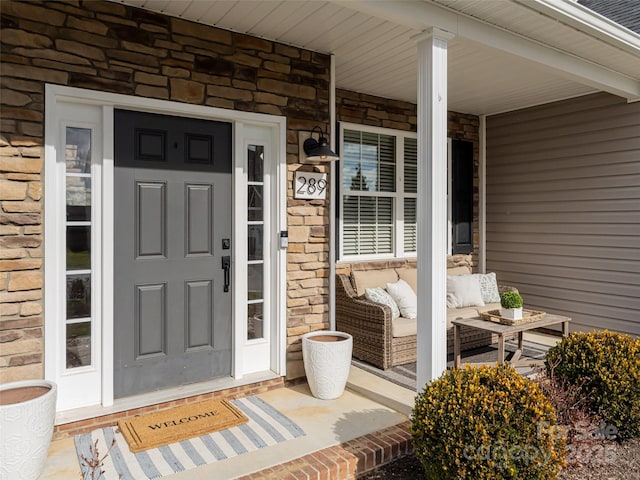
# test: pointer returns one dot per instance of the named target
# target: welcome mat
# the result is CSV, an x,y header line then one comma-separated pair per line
x,y
266,426
405,375
143,432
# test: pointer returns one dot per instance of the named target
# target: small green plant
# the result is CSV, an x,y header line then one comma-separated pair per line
x,y
483,423
606,367
511,300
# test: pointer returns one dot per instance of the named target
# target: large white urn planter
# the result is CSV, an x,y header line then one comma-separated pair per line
x,y
327,358
27,413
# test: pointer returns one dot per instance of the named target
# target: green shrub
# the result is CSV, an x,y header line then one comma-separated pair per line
x,y
606,367
511,300
486,423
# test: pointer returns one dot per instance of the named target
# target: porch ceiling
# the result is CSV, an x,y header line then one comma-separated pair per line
x,y
506,55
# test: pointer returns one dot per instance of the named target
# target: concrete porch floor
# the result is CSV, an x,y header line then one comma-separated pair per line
x,y
369,405
365,428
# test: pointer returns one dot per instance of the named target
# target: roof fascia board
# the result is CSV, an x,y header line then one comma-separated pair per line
x,y
423,15
587,21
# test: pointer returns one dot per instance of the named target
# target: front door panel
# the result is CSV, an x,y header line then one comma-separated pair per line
x,y
172,210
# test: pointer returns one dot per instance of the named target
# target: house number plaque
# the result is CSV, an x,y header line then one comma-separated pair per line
x,y
310,185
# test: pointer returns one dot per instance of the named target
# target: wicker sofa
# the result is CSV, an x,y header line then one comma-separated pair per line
x,y
372,327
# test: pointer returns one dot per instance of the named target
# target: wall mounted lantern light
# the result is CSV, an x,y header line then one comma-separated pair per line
x,y
318,151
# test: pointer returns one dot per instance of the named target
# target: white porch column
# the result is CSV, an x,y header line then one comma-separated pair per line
x,y
432,205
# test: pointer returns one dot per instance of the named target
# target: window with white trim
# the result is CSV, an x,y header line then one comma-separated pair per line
x,y
378,192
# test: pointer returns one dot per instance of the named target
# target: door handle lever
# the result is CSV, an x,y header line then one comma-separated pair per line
x,y
226,266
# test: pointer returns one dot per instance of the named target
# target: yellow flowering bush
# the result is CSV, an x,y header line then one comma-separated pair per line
x,y
486,422
606,367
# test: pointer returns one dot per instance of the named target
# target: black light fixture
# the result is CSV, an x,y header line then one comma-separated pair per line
x,y
318,150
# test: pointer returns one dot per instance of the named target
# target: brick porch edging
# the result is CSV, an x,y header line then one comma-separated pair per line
x,y
85,426
346,461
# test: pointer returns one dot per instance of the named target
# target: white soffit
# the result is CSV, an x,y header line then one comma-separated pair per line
x,y
535,20
375,54
485,80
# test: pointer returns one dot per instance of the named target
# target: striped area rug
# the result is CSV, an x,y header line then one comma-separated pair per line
x,y
266,427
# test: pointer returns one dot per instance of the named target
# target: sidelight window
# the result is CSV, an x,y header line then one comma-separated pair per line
x,y
78,324
255,242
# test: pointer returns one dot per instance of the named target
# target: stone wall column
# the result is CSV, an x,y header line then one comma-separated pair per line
x,y
308,270
21,326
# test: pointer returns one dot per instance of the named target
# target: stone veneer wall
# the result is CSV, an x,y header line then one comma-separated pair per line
x,y
111,47
374,111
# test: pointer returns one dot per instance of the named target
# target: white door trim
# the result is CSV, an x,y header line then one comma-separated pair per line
x,y
258,352
89,376
54,291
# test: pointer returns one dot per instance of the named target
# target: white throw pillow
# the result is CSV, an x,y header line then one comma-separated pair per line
x,y
452,301
405,297
466,289
379,295
489,287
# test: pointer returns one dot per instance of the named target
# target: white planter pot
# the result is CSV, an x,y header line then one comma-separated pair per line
x,y
512,313
327,358
27,413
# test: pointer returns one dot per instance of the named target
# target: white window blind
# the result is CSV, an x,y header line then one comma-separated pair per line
x,y
368,225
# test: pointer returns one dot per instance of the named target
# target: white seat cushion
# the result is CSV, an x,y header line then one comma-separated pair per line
x,y
363,279
462,270
489,306
410,274
403,327
457,313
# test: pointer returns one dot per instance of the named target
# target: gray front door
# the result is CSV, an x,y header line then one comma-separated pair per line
x,y
172,208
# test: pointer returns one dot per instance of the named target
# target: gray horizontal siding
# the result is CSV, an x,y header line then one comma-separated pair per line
x,y
563,209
